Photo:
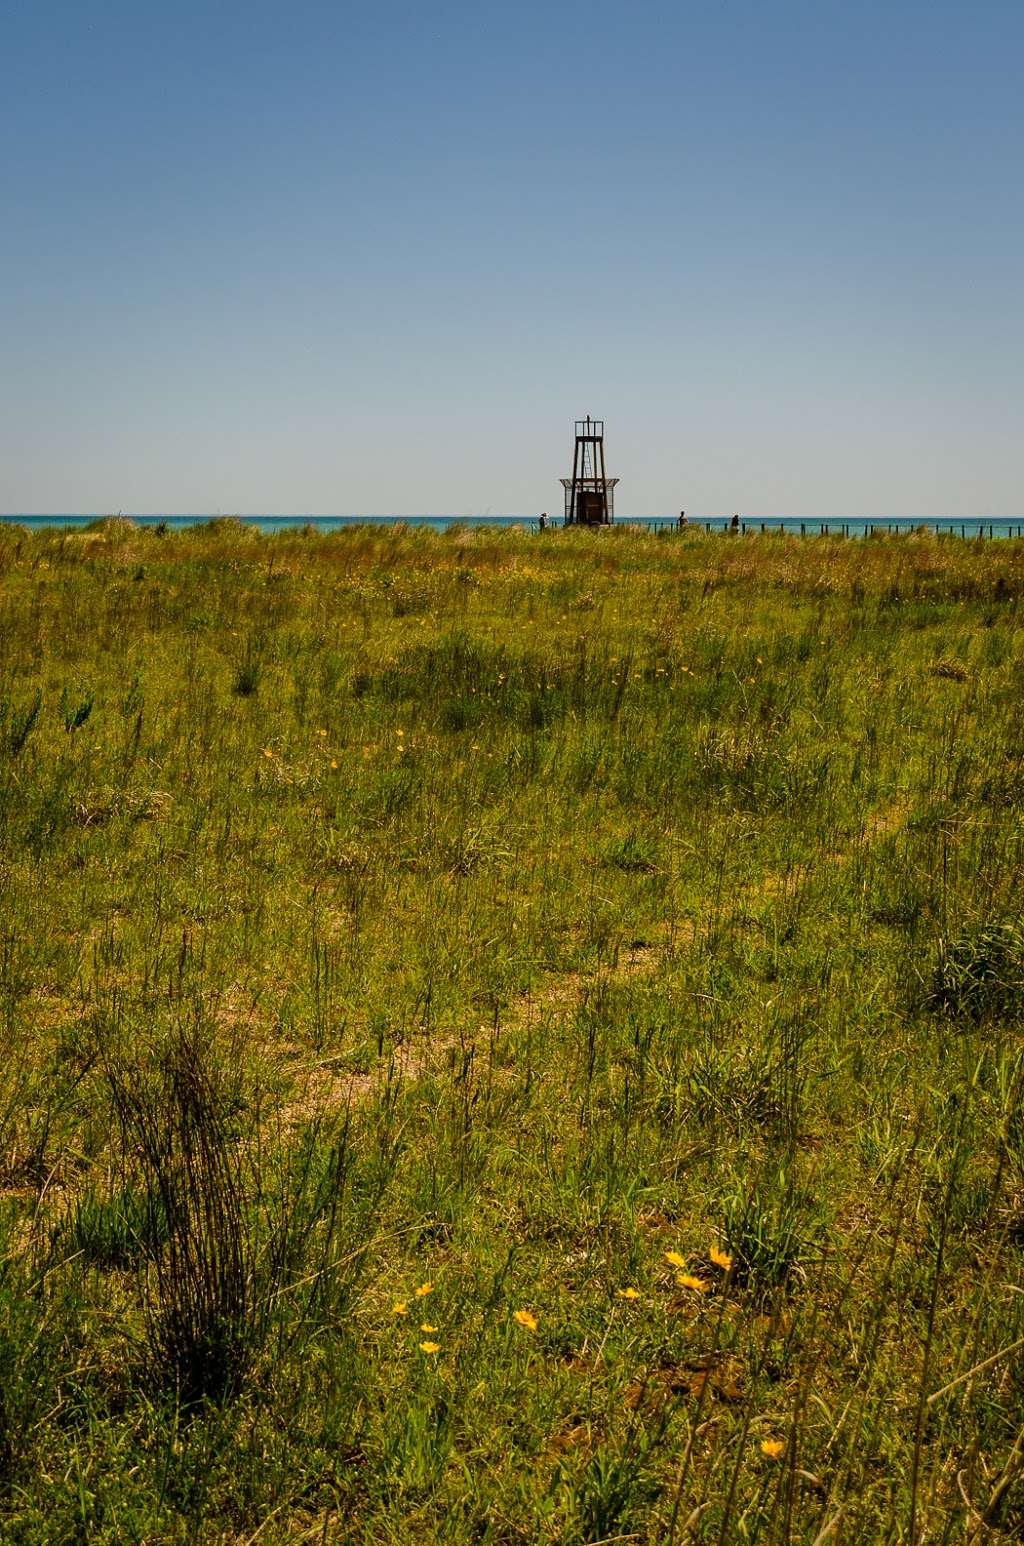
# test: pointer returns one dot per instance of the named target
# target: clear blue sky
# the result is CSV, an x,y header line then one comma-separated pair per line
x,y
329,258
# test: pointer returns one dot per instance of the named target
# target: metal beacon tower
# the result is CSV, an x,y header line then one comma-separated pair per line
x,y
589,493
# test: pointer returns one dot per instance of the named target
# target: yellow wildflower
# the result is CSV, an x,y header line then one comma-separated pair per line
x,y
428,1329
687,1280
399,1308
525,1319
423,1290
627,1293
267,752
334,762
720,1258
430,1347
674,1259
321,732
772,1448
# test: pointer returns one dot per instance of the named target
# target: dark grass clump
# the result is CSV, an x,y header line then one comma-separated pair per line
x,y
979,975
237,1251
202,1318
116,1231
248,670
17,721
772,1233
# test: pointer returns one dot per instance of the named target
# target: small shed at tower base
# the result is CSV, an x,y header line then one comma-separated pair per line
x,y
589,493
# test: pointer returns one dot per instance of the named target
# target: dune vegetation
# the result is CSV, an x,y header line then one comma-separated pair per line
x,y
510,1037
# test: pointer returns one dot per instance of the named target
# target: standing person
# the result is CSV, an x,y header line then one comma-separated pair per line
x,y
734,524
683,522
542,522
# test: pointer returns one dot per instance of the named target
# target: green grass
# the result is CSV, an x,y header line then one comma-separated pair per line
x,y
501,917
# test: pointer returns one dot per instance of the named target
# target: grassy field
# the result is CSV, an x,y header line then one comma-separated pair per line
x,y
510,1038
